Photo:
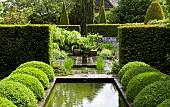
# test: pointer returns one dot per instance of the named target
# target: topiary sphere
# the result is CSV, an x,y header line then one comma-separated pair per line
x,y
39,74
137,83
129,74
165,103
130,65
153,94
18,93
4,102
29,81
42,66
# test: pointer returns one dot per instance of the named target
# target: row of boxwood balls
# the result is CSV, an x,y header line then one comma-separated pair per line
x,y
25,86
145,86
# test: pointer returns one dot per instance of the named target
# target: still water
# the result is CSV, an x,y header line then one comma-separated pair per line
x,y
85,95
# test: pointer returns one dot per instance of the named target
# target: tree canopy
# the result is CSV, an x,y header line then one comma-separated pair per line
x,y
43,11
129,11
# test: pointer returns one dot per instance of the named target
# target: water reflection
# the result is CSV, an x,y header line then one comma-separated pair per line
x,y
84,95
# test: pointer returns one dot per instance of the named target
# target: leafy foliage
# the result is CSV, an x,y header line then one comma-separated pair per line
x,y
154,11
100,63
153,94
137,83
69,40
39,74
115,66
60,70
47,69
14,16
4,102
165,21
68,63
105,53
165,103
29,81
18,93
59,54
66,39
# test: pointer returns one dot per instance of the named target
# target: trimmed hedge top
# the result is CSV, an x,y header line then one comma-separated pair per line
x,y
39,74
165,103
106,30
137,83
29,81
153,94
70,27
6,103
18,93
129,74
42,66
130,65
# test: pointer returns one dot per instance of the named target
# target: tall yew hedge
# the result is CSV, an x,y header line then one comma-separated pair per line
x,y
149,44
23,43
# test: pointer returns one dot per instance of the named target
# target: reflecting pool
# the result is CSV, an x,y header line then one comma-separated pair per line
x,y
85,95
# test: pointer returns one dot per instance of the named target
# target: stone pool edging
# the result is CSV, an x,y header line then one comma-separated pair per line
x,y
47,94
121,90
116,81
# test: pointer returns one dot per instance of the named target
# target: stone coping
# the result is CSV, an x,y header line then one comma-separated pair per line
x,y
121,90
47,94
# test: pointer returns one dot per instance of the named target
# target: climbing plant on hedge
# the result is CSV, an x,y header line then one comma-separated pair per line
x,y
165,103
154,11
64,16
47,69
137,83
129,74
4,102
153,94
29,81
39,74
18,93
130,65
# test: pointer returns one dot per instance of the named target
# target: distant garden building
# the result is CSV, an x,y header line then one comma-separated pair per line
x,y
108,4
